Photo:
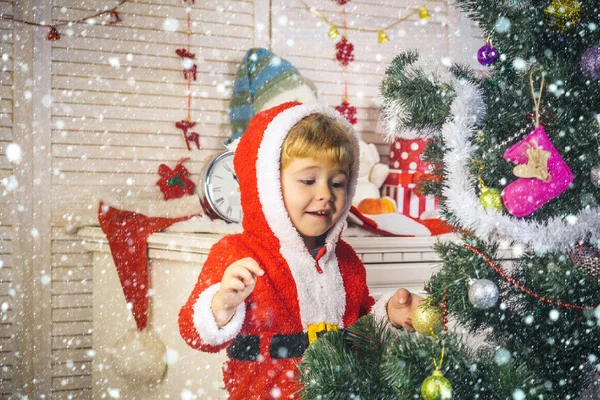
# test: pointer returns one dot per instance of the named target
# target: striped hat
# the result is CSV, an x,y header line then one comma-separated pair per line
x,y
260,78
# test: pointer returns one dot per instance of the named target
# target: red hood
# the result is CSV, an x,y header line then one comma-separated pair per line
x,y
257,166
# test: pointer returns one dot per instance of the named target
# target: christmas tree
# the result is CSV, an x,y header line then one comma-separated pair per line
x,y
517,153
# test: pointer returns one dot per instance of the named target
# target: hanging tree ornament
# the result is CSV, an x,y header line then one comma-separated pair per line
x,y
344,51
590,63
586,258
427,319
539,180
436,387
525,195
487,54
483,293
490,197
561,15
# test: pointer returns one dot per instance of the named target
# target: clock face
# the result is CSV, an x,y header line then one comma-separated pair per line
x,y
223,189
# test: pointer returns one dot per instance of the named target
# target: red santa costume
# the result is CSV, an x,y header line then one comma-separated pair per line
x,y
298,295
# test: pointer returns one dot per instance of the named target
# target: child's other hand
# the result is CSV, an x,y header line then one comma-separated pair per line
x,y
400,308
238,282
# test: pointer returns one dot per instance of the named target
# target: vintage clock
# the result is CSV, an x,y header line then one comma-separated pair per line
x,y
219,189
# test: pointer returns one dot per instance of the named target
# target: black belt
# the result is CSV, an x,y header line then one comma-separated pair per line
x,y
247,348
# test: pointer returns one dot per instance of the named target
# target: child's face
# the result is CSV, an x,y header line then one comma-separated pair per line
x,y
314,194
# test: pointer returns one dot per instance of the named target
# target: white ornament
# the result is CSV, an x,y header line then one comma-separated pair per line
x,y
140,357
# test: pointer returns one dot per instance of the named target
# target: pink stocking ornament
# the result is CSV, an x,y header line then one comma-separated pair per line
x,y
525,195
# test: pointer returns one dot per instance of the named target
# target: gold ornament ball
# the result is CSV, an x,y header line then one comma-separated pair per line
x,y
436,387
427,318
491,198
562,15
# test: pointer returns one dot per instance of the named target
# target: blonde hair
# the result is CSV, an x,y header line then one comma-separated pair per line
x,y
322,138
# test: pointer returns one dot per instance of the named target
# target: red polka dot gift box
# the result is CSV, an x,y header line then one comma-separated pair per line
x,y
406,171
405,154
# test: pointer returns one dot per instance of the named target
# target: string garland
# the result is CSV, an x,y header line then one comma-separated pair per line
x,y
345,49
345,55
520,286
54,35
382,38
189,69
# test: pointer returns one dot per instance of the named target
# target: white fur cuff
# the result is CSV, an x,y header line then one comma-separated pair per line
x,y
379,309
204,320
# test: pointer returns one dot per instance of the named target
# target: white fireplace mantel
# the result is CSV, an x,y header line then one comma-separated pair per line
x,y
175,260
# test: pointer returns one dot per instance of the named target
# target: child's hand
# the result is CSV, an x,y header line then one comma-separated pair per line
x,y
400,308
238,282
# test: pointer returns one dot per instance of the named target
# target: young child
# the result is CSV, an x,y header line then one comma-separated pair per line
x,y
266,293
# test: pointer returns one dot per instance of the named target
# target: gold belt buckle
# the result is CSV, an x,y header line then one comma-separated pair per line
x,y
313,329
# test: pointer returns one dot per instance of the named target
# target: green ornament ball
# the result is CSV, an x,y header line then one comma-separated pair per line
x,y
491,198
436,387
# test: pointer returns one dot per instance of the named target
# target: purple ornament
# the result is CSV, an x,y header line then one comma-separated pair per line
x,y
590,63
487,54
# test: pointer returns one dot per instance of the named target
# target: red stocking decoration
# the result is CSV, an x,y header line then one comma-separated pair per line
x,y
127,233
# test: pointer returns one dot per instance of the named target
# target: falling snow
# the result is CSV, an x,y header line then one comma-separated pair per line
x,y
91,117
